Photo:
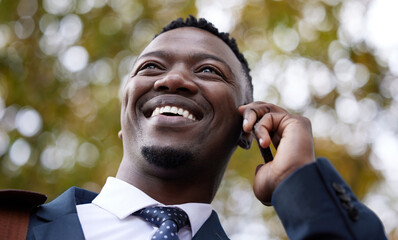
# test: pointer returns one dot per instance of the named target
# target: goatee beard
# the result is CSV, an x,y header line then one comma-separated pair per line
x,y
166,157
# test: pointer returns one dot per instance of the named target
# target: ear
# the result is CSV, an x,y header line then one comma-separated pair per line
x,y
245,140
120,135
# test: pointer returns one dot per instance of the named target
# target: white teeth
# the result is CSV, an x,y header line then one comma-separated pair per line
x,y
156,112
173,110
185,113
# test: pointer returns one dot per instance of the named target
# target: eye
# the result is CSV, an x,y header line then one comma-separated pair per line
x,y
149,69
149,66
211,70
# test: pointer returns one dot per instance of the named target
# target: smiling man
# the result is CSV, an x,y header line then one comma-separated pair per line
x,y
185,109
180,123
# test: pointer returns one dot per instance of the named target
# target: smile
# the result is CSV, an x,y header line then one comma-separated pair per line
x,y
173,111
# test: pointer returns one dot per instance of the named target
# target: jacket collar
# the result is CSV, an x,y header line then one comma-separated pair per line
x,y
211,229
60,216
61,220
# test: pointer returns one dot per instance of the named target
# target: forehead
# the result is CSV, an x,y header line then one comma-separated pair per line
x,y
186,41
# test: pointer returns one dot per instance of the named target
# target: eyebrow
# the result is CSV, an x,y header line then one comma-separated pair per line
x,y
161,54
195,56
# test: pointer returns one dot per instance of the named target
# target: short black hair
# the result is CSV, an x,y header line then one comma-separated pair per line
x,y
203,24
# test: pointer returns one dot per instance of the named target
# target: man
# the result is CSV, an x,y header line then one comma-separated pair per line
x,y
185,109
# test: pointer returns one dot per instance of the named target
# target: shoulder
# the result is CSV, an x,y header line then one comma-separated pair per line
x,y
52,217
15,208
20,199
65,203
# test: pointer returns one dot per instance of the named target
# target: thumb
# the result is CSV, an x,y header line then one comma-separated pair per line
x,y
263,187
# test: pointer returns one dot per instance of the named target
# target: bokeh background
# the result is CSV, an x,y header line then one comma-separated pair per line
x,y
62,63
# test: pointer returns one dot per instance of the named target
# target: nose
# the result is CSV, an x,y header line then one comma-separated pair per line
x,y
176,81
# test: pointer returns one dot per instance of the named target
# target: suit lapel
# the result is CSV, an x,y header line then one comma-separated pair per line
x,y
67,227
211,229
58,219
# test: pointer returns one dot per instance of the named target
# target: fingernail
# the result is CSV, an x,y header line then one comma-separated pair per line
x,y
245,122
261,141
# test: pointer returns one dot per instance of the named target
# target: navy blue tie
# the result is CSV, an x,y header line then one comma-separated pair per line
x,y
169,221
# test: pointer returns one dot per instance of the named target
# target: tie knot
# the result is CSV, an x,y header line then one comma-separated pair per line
x,y
159,216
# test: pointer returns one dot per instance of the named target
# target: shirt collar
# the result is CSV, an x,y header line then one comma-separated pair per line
x,y
123,199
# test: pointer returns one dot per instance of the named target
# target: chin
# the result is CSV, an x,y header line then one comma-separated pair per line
x,y
168,158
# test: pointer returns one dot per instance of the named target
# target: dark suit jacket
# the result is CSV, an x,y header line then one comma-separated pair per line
x,y
313,203
58,219
316,203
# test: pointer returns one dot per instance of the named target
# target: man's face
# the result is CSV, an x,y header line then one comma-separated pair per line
x,y
183,94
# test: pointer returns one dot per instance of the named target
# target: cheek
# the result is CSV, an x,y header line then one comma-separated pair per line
x,y
225,101
134,89
138,85
132,92
226,126
223,98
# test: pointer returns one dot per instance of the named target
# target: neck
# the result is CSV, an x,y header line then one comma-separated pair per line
x,y
182,187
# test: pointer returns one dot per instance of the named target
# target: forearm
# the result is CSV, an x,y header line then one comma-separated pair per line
x,y
316,202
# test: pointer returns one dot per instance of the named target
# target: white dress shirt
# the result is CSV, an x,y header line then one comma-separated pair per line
x,y
109,214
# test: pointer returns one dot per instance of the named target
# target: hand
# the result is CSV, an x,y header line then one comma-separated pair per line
x,y
291,136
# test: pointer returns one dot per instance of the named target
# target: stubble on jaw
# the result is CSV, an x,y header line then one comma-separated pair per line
x,y
167,157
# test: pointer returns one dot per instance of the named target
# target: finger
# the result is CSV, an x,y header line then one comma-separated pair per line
x,y
262,135
276,139
258,105
249,119
255,111
262,187
260,108
267,126
275,108
252,113
264,142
